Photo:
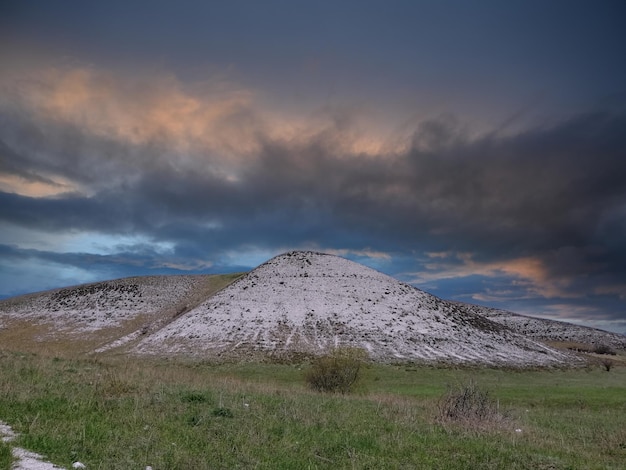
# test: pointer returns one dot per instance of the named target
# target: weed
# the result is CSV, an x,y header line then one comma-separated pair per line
x,y
223,412
195,397
470,406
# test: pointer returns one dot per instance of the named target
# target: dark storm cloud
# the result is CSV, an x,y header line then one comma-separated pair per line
x,y
447,144
542,189
549,185
555,193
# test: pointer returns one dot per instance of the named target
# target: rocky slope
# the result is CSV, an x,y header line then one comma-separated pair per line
x,y
83,318
551,330
306,302
297,303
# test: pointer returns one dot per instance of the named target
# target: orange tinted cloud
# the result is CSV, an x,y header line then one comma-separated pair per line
x,y
140,111
528,273
216,115
36,188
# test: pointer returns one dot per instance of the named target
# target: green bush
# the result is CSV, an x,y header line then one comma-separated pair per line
x,y
336,372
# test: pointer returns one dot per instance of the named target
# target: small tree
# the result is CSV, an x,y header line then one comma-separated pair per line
x,y
337,371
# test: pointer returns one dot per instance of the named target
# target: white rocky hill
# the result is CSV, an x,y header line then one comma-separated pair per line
x,y
82,318
306,302
297,303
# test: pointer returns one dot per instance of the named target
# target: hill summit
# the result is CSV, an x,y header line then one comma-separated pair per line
x,y
308,302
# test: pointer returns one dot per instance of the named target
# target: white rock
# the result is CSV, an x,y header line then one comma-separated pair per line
x,y
310,302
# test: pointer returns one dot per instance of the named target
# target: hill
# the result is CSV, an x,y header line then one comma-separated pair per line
x,y
82,319
298,303
308,303
552,331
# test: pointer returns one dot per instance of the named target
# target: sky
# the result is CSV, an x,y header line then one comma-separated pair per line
x,y
474,149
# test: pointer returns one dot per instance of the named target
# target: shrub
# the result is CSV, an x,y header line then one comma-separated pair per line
x,y
469,405
607,364
337,371
603,349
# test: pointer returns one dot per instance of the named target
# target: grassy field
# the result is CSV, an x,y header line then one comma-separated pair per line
x,y
128,414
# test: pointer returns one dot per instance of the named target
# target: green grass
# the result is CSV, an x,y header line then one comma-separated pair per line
x,y
123,414
6,458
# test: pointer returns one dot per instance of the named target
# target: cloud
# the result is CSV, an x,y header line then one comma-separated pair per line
x,y
530,275
615,289
209,168
140,110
